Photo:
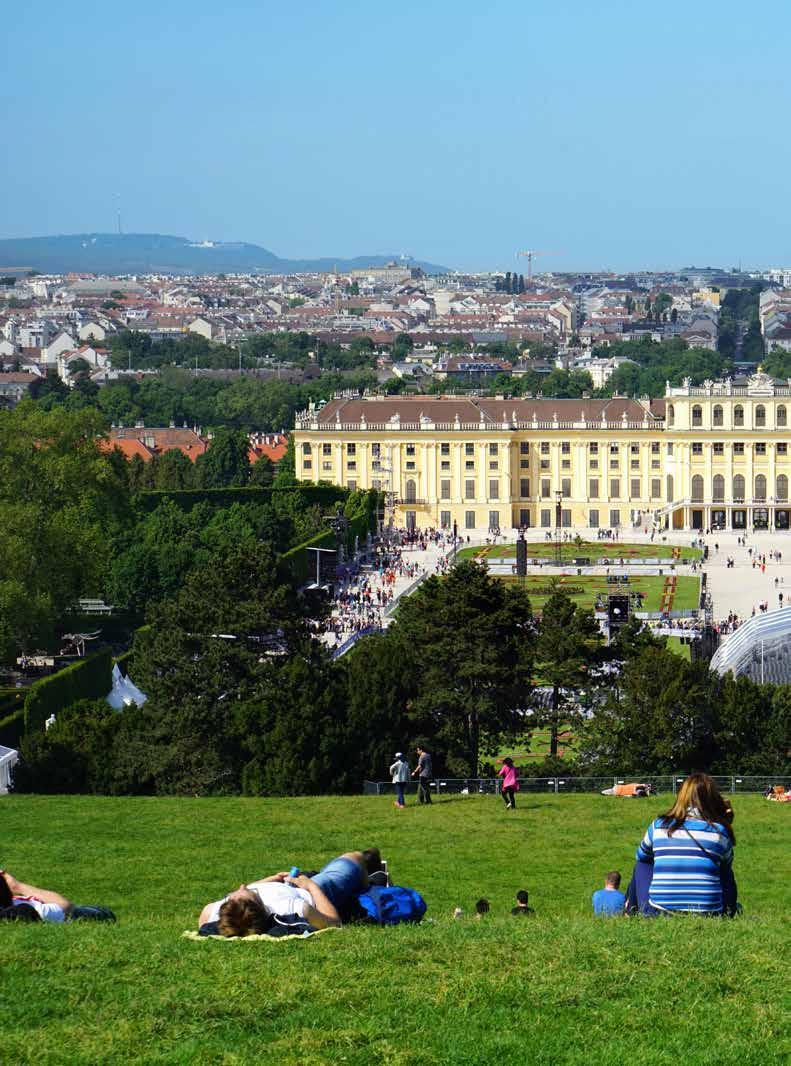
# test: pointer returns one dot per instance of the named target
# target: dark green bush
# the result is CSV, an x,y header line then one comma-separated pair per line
x,y
88,679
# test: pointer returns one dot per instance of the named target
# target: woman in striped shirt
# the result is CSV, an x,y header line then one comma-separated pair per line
x,y
686,854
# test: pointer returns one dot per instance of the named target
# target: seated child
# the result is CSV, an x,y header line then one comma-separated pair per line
x,y
609,900
522,901
481,908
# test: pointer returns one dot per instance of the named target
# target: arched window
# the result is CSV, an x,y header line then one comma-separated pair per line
x,y
781,488
760,487
671,414
697,415
697,489
760,415
738,488
411,492
718,493
669,488
781,415
717,413
738,415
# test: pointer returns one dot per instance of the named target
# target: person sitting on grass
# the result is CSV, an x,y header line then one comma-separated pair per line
x,y
522,904
481,907
609,900
48,906
632,790
684,861
323,900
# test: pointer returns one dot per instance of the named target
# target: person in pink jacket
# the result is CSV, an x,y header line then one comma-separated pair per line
x,y
510,785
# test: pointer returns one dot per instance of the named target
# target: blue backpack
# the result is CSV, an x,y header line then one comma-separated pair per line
x,y
391,905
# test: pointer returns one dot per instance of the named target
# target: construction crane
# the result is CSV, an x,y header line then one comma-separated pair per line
x,y
530,256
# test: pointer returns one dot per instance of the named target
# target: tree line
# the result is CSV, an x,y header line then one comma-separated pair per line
x,y
242,699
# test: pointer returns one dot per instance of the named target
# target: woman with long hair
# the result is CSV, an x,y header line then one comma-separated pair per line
x,y
510,784
684,861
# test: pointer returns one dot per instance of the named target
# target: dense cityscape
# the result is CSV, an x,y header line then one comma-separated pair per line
x,y
395,535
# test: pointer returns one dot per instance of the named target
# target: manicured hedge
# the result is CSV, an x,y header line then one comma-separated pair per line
x,y
12,728
302,563
324,495
88,679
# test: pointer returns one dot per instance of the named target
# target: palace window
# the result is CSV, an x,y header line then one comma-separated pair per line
x,y
494,489
656,488
716,418
738,415
469,489
326,449
545,487
593,488
738,448
634,488
760,416
306,448
524,487
697,415
524,447
781,416
760,448
782,449
444,489
469,449
565,448
444,449
718,489
697,448
545,447
493,449
697,489
351,449
615,487
719,448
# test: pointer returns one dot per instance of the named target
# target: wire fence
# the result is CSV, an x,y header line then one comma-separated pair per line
x,y
661,783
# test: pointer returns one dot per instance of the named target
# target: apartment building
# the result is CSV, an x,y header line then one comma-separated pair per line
x,y
700,457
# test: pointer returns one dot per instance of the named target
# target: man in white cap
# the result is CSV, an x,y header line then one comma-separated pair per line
x,y
399,772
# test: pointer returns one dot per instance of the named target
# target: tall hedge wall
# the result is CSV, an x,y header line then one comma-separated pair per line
x,y
362,520
325,495
88,679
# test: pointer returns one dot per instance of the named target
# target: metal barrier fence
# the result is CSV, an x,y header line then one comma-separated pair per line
x,y
662,783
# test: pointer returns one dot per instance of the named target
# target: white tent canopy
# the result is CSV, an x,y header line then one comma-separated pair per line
x,y
124,692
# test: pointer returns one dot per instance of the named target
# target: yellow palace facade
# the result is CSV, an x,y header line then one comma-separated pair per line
x,y
708,456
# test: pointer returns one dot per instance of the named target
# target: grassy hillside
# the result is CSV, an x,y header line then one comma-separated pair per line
x,y
558,989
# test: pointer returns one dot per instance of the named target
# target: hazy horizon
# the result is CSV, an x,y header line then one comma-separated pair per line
x,y
618,138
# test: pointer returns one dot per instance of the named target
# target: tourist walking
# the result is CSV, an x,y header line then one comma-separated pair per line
x,y
424,773
510,784
399,773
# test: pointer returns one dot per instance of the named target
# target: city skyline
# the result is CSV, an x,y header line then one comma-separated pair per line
x,y
612,139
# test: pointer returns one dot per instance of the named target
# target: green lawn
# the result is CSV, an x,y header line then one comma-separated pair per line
x,y
686,597
591,549
562,988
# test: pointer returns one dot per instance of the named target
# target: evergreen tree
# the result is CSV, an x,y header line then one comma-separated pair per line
x,y
468,636
568,649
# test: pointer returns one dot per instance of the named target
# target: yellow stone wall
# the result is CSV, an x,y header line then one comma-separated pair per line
x,y
468,475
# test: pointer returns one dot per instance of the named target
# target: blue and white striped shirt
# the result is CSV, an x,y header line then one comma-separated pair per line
x,y
685,878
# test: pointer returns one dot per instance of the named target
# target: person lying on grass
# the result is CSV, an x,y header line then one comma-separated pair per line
x,y
49,906
322,900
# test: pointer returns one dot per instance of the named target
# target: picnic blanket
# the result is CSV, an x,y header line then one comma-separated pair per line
x,y
193,934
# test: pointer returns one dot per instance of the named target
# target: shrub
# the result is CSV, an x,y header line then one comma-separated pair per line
x,y
88,679
75,755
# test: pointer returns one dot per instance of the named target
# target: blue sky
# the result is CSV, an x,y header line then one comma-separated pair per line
x,y
615,134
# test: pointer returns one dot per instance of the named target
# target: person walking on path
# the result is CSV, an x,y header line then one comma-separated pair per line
x,y
424,773
399,773
510,784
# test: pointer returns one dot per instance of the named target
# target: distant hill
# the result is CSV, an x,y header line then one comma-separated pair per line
x,y
154,253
